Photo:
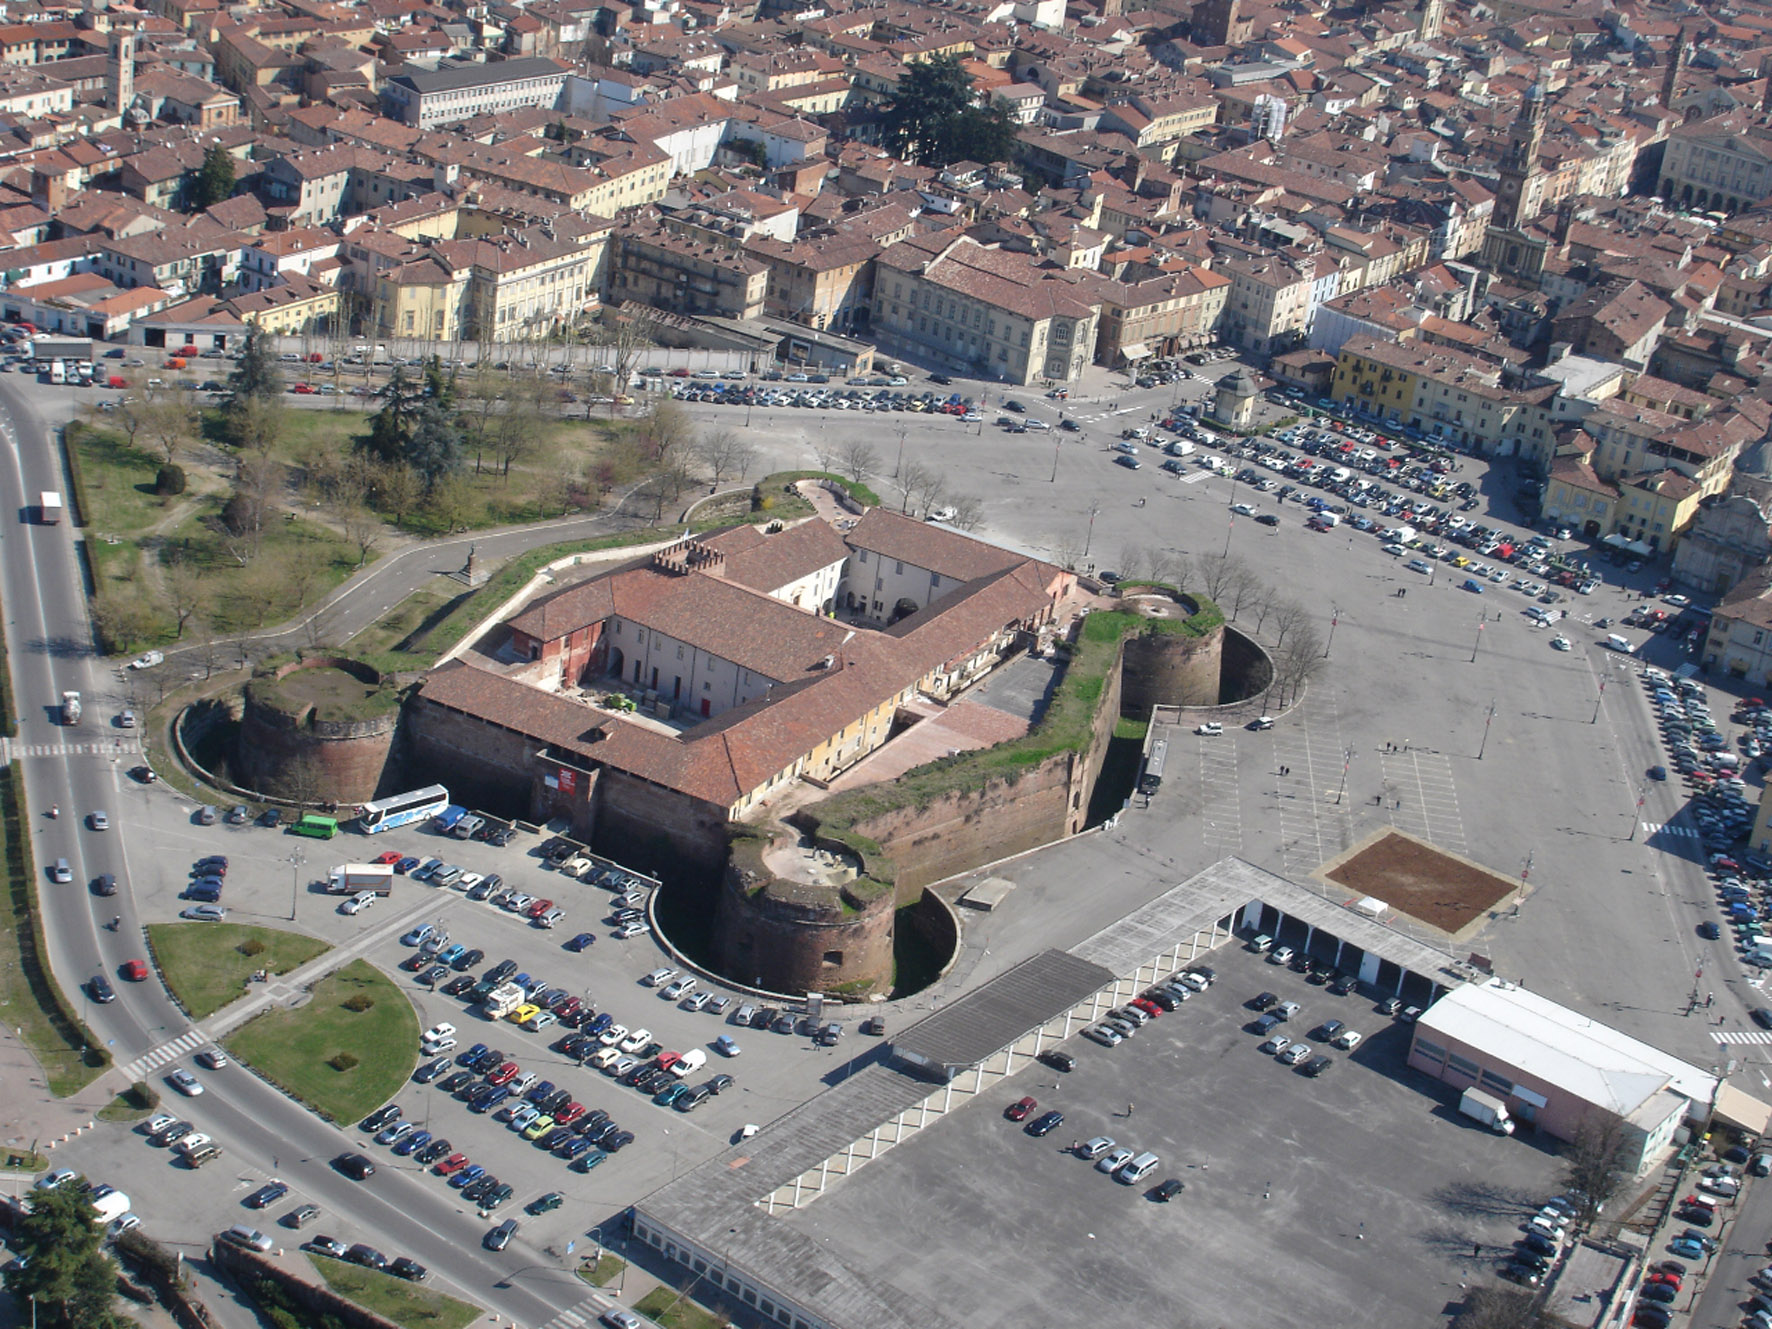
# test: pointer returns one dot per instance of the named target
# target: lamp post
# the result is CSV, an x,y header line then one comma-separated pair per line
x,y
1334,618
1347,759
1478,642
1487,719
1090,537
1598,698
296,860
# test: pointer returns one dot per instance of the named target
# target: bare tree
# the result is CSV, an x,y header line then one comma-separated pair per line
x,y
1166,567
744,456
826,451
208,646
928,492
1287,616
1244,585
363,529
1296,663
719,451
666,434
627,334
517,429
256,424
968,512
395,490
168,422
1067,552
912,478
1595,1164
860,460
1133,560
1215,574
186,592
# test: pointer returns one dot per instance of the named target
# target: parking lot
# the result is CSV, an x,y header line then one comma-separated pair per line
x,y
772,1072
1359,1197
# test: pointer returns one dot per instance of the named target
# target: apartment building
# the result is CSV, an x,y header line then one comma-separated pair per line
x,y
1443,392
1159,315
1271,299
454,92
687,275
824,282
948,300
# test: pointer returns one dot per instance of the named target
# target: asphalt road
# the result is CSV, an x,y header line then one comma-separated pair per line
x,y
52,651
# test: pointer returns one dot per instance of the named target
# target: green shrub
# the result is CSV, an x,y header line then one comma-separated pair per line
x,y
345,1061
361,1002
169,480
251,946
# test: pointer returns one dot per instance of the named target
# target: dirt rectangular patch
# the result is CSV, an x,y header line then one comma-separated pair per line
x,y
1428,884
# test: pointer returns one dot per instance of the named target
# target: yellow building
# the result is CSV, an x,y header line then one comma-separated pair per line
x,y
1445,393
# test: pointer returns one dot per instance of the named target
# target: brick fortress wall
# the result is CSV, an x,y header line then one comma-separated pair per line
x,y
285,752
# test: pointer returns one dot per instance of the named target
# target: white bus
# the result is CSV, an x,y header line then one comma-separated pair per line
x,y
384,814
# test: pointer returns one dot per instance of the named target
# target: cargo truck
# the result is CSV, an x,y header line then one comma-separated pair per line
x,y
70,708
49,508
503,999
349,878
1488,1109
112,1205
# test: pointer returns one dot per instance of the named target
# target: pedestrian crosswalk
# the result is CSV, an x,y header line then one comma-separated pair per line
x,y
577,1317
1652,829
1760,1036
170,1051
11,749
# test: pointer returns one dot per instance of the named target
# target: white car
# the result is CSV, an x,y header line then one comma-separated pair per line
x,y
602,1057
358,902
1348,1039
612,1036
147,660
1106,1035
1110,1162
517,902
1277,1044
186,1083
467,881
191,1143
1280,955
99,821
1296,1053
658,976
636,1040
437,1033
627,930
204,913
1211,728
677,987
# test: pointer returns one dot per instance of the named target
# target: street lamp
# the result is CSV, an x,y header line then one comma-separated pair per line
x,y
1487,719
296,860
1334,618
1347,759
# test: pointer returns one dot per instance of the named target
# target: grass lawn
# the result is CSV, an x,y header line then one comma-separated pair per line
x,y
296,1048
29,999
604,1272
205,967
675,1311
404,1303
132,1104
296,563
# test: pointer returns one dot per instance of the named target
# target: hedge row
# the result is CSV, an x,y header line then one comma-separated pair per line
x,y
71,434
8,713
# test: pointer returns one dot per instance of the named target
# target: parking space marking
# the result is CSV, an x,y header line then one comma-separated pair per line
x,y
169,1051
1313,825
1221,797
1742,1036
1423,798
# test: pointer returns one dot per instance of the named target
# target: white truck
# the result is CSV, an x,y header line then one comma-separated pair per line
x,y
1488,1109
49,508
349,878
111,1205
503,999
70,708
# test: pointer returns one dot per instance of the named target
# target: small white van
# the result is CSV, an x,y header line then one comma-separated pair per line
x,y
1619,644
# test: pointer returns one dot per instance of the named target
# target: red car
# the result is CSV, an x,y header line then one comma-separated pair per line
x,y
1018,1111
1148,1006
666,1060
567,1007
569,1114
537,909
302,389
451,1165
504,1074
1672,1280
390,858
136,971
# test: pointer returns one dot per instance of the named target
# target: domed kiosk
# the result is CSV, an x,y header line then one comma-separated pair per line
x,y
1233,402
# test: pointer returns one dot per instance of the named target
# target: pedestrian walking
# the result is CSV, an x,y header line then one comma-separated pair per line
x,y
1128,1109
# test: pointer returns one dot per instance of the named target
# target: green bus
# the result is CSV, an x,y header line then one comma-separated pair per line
x,y
321,828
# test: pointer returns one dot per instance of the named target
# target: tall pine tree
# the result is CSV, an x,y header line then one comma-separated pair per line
x,y
935,118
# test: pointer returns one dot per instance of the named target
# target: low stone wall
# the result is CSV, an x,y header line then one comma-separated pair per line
x,y
249,1267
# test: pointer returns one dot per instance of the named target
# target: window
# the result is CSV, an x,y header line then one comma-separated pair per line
x,y
679,650
1462,1066
899,568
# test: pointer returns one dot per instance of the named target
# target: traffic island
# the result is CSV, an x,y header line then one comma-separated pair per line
x,y
209,965
393,1298
344,1051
